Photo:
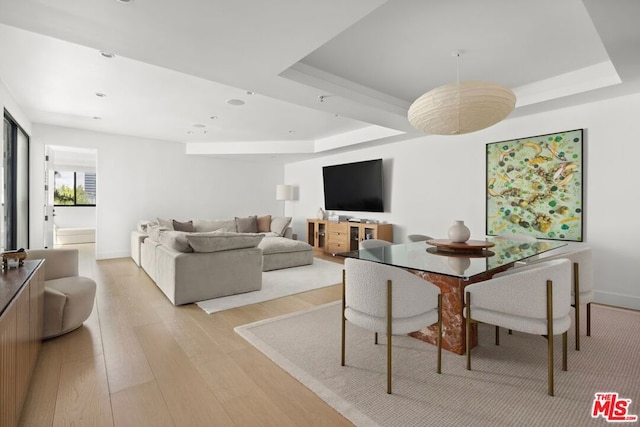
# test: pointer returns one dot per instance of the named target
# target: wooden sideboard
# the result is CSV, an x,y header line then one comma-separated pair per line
x,y
21,317
335,237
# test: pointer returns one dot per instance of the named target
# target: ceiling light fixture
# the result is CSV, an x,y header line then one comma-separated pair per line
x,y
214,117
106,54
461,107
250,92
124,1
101,95
235,102
199,125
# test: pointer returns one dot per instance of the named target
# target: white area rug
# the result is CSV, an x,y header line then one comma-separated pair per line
x,y
280,283
507,385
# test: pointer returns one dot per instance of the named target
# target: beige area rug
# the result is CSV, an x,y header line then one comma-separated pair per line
x,y
280,283
507,386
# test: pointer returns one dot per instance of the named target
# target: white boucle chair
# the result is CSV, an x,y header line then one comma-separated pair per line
x,y
582,281
373,243
534,299
388,300
68,298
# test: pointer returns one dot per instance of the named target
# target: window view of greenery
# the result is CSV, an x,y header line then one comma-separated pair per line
x,y
74,189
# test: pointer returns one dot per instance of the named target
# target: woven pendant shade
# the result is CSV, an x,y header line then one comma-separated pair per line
x,y
461,107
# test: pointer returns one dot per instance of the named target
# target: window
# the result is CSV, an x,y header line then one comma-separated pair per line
x,y
14,184
74,189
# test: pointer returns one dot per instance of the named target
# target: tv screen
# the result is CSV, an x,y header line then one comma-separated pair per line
x,y
354,186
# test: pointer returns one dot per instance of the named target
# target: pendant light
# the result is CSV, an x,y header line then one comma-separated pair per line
x,y
461,107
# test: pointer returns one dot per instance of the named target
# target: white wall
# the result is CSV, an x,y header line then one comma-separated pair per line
x,y
75,216
144,179
434,180
7,102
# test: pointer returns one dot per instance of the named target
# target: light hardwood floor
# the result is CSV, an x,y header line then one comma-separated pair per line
x,y
140,361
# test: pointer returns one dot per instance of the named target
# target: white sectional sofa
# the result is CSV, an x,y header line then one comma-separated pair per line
x,y
215,258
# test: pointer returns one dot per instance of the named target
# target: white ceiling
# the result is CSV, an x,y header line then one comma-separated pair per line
x,y
177,63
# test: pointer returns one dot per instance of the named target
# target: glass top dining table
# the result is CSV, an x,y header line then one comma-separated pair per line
x,y
421,256
452,271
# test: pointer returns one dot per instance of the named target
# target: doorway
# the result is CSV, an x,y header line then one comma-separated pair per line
x,y
70,195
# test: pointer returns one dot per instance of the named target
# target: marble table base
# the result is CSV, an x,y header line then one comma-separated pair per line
x,y
453,322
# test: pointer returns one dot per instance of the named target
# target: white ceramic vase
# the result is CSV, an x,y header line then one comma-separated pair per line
x,y
321,214
459,264
458,232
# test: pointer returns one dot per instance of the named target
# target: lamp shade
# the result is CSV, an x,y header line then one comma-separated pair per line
x,y
284,192
461,107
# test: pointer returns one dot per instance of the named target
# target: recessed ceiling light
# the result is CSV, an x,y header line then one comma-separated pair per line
x,y
189,132
124,1
97,118
199,125
213,117
235,102
101,95
292,131
106,54
250,92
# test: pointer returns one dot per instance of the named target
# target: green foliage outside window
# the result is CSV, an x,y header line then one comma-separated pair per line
x,y
63,195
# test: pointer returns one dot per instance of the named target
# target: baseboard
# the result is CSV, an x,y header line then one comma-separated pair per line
x,y
617,300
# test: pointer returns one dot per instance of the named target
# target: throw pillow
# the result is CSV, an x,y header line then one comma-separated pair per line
x,y
247,225
264,223
183,226
217,241
154,232
167,223
176,240
223,224
279,224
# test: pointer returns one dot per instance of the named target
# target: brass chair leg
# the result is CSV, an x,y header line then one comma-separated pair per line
x,y
564,351
389,333
550,337
344,305
589,319
439,367
468,330
497,335
576,297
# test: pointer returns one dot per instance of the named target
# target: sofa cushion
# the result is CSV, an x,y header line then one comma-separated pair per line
x,y
142,225
154,232
202,226
176,240
279,224
167,223
264,224
222,241
247,225
183,226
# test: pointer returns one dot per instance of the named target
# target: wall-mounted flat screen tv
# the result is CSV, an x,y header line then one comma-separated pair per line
x,y
354,186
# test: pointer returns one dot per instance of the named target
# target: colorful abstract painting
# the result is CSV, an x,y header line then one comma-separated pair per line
x,y
534,186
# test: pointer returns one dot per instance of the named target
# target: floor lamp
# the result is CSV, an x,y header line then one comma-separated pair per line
x,y
284,192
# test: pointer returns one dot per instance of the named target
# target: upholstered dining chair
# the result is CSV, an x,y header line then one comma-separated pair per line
x,y
534,299
373,243
582,284
418,237
388,300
